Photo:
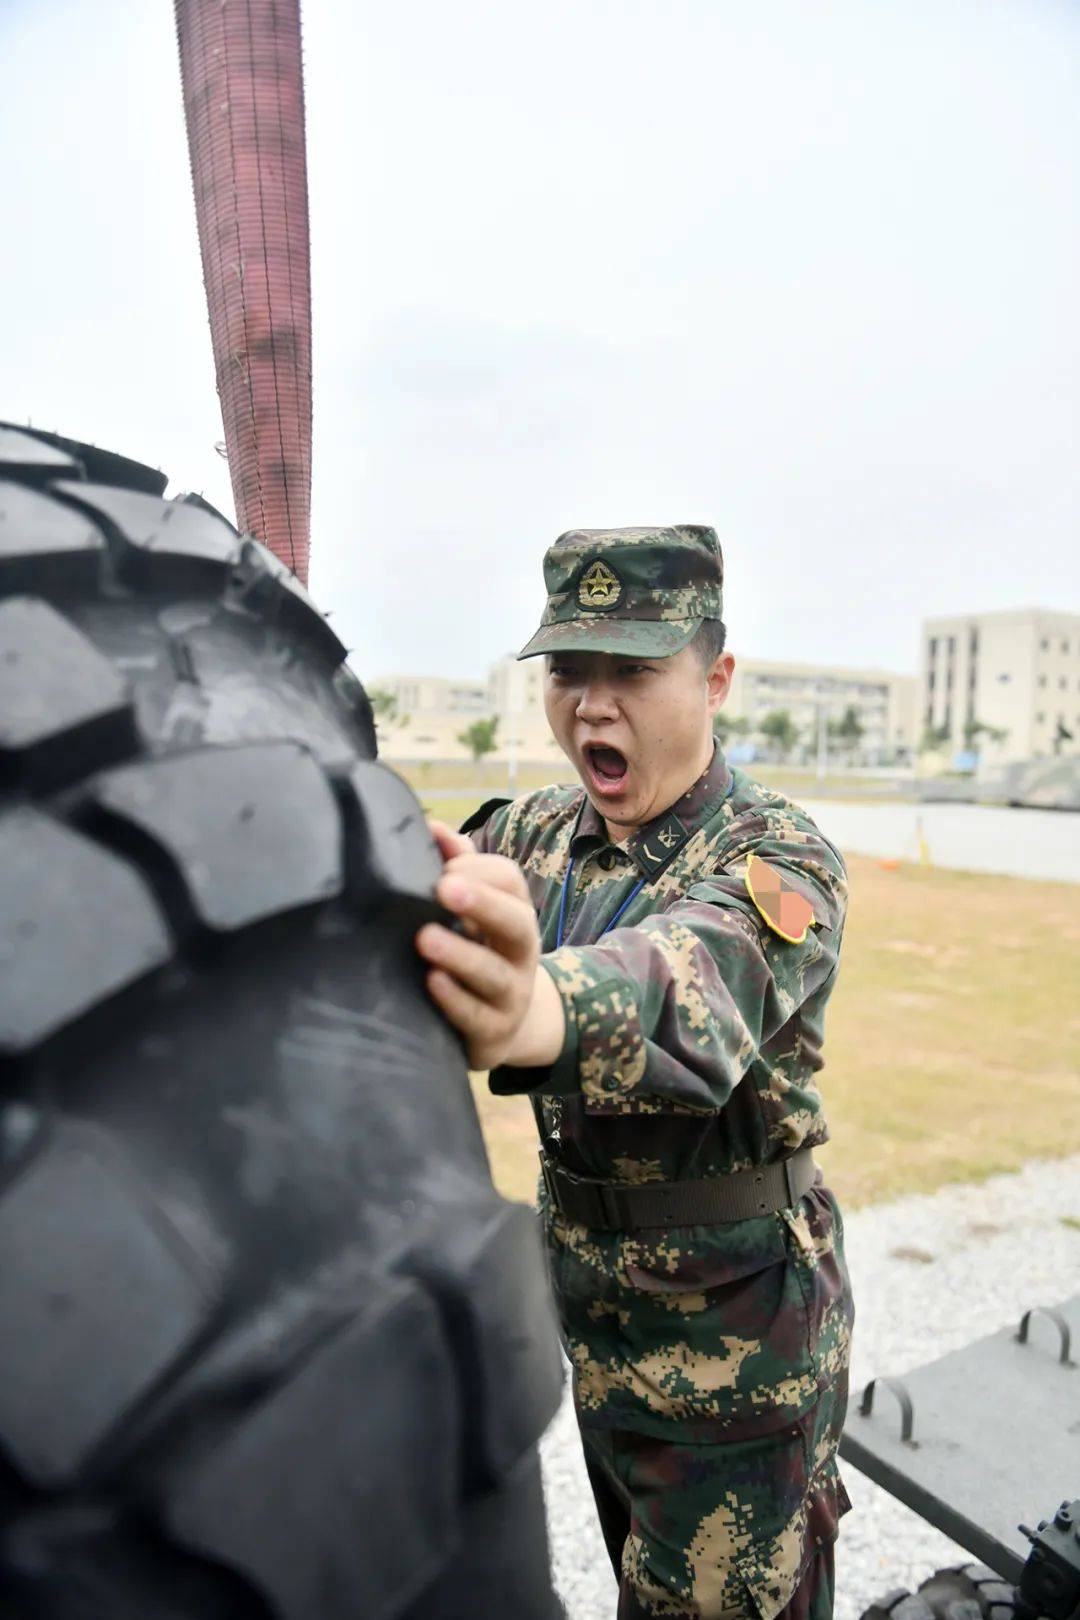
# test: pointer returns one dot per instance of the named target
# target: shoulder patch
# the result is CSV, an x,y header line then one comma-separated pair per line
x,y
784,907
478,817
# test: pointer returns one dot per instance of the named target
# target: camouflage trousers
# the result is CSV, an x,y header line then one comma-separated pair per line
x,y
737,1530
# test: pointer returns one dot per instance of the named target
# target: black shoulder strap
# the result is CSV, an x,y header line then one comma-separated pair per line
x,y
478,817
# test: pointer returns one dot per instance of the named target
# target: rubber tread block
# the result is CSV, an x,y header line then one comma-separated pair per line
x,y
193,498
106,1296
337,1496
255,829
293,602
504,1334
156,529
57,692
913,1607
285,577
101,466
400,856
77,924
44,543
32,460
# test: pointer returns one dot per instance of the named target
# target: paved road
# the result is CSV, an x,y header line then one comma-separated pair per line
x,y
969,837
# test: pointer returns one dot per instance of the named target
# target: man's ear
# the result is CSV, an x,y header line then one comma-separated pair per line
x,y
718,681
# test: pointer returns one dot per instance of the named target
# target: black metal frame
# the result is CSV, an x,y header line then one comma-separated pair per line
x,y
984,1439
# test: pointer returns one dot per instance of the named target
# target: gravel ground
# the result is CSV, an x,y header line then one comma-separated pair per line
x,y
929,1273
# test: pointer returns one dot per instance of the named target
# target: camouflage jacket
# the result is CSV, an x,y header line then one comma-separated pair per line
x,y
693,1040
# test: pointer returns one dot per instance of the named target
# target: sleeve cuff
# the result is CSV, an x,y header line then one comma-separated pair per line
x,y
603,1050
560,1079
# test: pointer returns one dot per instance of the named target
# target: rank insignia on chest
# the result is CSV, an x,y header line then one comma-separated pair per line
x,y
784,907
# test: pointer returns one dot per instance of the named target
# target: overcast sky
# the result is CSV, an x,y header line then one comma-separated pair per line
x,y
806,270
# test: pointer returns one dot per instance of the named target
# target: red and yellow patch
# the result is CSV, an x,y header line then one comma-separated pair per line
x,y
784,907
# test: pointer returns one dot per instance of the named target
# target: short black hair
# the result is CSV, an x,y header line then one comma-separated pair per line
x,y
708,641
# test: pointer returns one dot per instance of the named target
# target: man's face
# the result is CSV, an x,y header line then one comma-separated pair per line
x,y
638,732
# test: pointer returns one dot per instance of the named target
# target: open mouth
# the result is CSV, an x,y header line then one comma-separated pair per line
x,y
607,769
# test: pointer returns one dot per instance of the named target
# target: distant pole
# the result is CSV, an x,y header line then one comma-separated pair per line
x,y
242,77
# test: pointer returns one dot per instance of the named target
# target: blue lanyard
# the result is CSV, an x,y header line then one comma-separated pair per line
x,y
631,897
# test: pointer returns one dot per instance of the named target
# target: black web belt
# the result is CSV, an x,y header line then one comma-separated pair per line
x,y
616,1206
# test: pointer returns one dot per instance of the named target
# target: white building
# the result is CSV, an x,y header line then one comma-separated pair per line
x,y
1017,671
819,694
516,688
433,694
431,713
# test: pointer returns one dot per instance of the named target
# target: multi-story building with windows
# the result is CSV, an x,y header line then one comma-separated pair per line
x,y
433,694
818,696
1016,672
431,713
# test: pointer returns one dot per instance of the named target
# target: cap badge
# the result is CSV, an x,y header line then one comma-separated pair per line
x,y
599,587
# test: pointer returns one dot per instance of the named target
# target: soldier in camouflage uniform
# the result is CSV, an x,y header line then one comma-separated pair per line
x,y
670,1035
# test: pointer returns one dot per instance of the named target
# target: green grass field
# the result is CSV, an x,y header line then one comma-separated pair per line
x,y
952,1039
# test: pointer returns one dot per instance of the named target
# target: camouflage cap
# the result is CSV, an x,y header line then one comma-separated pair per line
x,y
638,591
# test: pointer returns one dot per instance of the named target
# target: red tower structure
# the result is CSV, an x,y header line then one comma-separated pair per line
x,y
242,74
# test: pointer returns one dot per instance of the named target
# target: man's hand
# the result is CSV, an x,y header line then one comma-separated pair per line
x,y
486,981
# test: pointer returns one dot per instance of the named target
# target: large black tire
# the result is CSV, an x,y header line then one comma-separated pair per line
x,y
969,1592
271,1345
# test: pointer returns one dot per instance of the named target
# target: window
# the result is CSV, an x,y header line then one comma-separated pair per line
x,y
1064,646
1042,680
1040,717
1044,644
1062,683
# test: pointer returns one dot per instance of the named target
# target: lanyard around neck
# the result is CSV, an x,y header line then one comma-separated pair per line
x,y
564,897
632,896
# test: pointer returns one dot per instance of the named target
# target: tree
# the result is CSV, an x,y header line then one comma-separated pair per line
x,y
479,738
974,729
383,704
848,730
933,739
780,730
726,725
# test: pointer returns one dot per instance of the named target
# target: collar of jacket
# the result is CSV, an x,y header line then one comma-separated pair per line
x,y
655,845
